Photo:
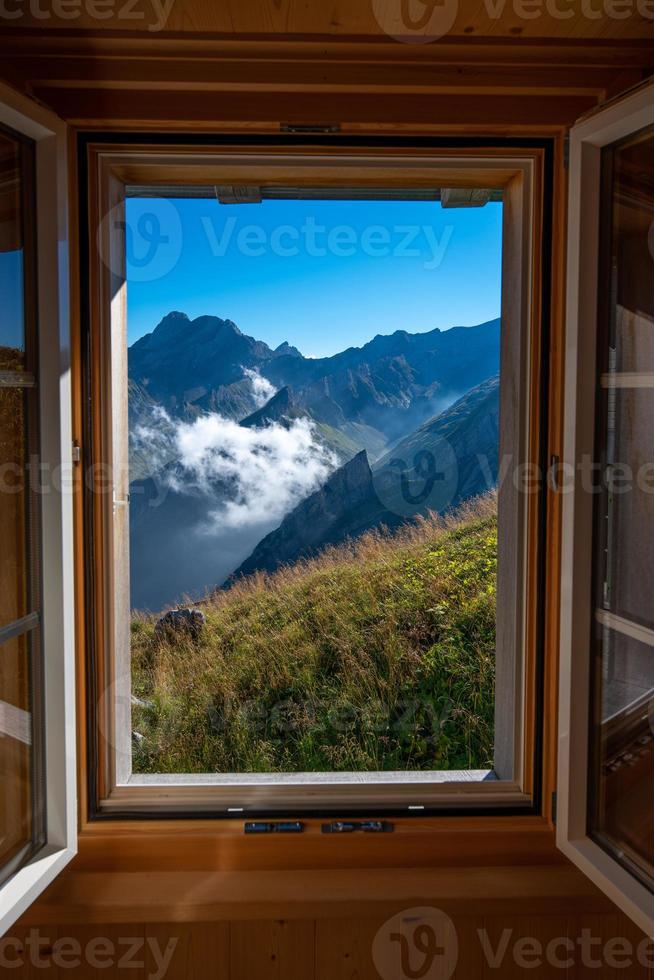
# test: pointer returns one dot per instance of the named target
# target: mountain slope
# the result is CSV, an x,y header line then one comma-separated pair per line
x,y
375,656
344,507
461,444
190,366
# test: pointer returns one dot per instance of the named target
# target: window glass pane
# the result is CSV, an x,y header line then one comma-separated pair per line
x,y
624,800
21,729
16,793
13,505
621,800
285,474
629,506
12,314
630,171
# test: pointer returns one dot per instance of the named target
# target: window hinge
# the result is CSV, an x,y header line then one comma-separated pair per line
x,y
77,453
554,808
366,826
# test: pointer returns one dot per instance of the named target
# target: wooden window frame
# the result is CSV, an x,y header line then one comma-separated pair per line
x,y
112,163
49,135
602,128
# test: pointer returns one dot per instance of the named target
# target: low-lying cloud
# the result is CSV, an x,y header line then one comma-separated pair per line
x,y
256,475
262,389
212,490
154,443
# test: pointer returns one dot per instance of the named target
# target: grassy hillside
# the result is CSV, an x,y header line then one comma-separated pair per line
x,y
377,655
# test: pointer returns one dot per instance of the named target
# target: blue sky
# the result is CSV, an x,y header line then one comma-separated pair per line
x,y
322,275
11,291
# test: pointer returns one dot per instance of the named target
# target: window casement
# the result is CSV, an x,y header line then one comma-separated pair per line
x,y
519,176
606,757
37,692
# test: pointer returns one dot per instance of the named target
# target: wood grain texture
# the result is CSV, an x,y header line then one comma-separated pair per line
x,y
185,896
203,846
344,949
215,83
353,18
365,947
198,951
280,950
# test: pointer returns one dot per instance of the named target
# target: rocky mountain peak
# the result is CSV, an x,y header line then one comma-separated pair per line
x,y
281,405
286,350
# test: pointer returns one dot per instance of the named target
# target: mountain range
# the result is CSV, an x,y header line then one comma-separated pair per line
x,y
400,414
461,446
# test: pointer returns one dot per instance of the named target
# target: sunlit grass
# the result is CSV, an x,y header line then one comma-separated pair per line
x,y
376,655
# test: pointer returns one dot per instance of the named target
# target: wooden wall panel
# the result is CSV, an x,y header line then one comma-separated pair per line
x,y
281,950
491,946
344,949
200,950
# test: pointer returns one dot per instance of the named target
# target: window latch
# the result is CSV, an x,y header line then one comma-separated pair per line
x,y
350,827
285,827
120,503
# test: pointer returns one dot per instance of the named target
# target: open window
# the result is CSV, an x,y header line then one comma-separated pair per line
x,y
37,725
606,765
371,642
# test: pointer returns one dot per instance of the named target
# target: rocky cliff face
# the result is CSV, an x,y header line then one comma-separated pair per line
x,y
346,506
193,366
282,407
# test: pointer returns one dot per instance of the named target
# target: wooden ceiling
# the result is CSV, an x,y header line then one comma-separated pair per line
x,y
558,19
529,66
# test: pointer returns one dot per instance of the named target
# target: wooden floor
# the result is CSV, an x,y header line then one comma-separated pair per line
x,y
337,949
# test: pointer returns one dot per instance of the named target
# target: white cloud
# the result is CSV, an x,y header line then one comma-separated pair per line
x,y
257,475
155,442
262,389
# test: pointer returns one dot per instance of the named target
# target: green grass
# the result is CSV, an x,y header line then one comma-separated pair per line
x,y
376,655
